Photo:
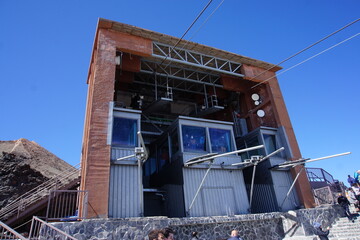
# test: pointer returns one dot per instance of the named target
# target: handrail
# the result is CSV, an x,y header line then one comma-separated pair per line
x,y
39,192
12,232
36,229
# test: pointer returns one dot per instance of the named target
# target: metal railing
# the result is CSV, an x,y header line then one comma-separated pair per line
x,y
43,230
63,205
8,233
38,193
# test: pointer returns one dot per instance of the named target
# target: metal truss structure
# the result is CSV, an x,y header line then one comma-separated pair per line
x,y
195,59
177,77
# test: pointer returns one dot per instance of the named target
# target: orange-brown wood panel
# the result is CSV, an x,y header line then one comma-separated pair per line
x,y
255,74
130,62
235,84
302,186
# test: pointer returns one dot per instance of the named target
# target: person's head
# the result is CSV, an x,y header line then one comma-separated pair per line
x,y
194,234
348,176
234,233
169,233
156,234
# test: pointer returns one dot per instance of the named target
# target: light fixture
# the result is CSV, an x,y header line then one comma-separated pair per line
x,y
260,113
255,97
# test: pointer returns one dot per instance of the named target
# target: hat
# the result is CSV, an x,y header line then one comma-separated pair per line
x,y
316,225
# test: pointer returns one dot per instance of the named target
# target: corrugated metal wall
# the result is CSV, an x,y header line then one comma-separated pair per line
x,y
282,181
223,192
124,191
122,152
124,186
263,198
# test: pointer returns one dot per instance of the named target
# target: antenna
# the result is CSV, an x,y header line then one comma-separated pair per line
x,y
141,152
254,161
211,157
292,164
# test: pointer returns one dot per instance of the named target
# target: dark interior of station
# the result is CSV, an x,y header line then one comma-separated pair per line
x,y
164,90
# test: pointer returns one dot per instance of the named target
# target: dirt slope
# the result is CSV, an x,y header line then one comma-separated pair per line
x,y
24,165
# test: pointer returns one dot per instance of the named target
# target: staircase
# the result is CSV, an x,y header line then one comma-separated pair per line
x,y
344,229
38,196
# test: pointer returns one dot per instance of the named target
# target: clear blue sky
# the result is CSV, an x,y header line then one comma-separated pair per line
x,y
45,49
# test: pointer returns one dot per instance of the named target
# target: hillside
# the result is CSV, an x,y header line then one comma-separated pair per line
x,y
24,165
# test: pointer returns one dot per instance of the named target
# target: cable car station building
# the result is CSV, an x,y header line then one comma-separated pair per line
x,y
192,109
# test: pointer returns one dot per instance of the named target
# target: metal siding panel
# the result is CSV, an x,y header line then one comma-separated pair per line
x,y
217,179
263,199
282,182
121,152
228,160
124,191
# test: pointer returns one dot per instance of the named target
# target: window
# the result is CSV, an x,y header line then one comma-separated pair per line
x,y
194,138
270,143
124,132
250,141
220,140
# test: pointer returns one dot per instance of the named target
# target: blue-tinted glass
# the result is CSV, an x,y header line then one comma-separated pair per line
x,y
194,139
270,143
220,140
124,132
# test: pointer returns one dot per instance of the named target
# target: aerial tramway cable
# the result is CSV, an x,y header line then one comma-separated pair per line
x,y
301,51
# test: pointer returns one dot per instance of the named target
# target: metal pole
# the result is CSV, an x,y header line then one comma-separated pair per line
x,y
289,164
273,153
123,158
198,190
335,155
206,100
225,154
252,185
140,189
156,95
292,185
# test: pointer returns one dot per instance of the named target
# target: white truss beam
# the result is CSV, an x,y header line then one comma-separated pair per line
x,y
192,58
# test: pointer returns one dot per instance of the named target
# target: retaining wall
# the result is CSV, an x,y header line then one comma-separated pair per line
x,y
265,226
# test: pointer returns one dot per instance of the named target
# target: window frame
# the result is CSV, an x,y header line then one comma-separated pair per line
x,y
127,114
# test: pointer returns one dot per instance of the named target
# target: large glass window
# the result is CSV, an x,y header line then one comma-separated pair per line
x,y
220,140
194,138
124,132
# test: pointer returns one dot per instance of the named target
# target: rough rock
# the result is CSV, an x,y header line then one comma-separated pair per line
x,y
24,165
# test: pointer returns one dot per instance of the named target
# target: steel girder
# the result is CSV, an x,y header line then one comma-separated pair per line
x,y
179,77
192,58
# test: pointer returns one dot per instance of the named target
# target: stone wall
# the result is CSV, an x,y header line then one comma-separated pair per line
x,y
266,226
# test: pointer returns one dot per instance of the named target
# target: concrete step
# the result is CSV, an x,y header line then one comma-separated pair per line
x,y
301,238
345,229
351,228
344,238
344,235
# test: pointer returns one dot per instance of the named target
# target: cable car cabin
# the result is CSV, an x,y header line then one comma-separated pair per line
x,y
190,190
